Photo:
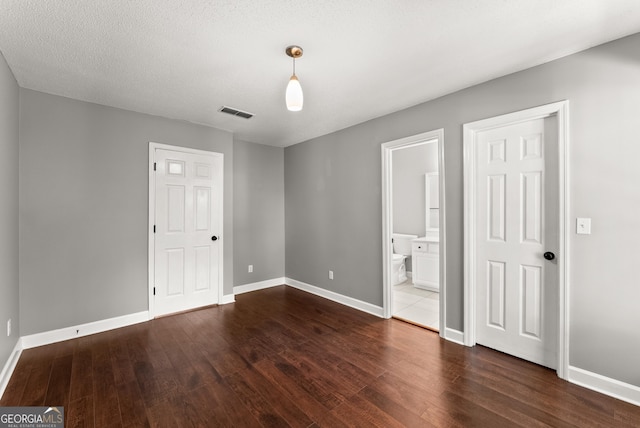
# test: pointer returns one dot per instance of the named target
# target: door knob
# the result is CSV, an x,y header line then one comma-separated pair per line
x,y
214,238
549,255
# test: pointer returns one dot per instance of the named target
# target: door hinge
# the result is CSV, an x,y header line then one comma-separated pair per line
x,y
154,166
154,228
154,291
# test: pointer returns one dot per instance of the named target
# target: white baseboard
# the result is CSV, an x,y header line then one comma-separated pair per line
x,y
453,335
254,286
227,298
10,366
53,336
409,274
339,298
606,385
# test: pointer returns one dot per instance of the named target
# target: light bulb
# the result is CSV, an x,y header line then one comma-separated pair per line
x,y
294,96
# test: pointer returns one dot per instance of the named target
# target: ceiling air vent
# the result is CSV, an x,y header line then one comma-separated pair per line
x,y
235,112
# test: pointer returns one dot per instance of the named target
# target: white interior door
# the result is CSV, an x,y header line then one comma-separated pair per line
x,y
188,214
517,223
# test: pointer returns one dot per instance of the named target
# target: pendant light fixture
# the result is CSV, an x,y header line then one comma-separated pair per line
x,y
294,96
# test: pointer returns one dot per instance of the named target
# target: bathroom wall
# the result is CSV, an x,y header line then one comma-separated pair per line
x,y
333,196
9,287
84,207
409,166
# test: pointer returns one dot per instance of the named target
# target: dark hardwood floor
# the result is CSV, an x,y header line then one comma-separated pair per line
x,y
282,357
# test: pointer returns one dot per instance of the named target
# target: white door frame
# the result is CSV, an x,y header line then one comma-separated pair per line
x,y
152,215
561,111
387,218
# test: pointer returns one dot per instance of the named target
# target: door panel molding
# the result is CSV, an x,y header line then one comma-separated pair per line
x,y
201,172
470,133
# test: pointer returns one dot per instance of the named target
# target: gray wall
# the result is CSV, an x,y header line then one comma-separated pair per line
x,y
258,210
9,287
84,207
333,196
409,166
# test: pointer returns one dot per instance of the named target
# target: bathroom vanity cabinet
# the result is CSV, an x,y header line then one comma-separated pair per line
x,y
426,264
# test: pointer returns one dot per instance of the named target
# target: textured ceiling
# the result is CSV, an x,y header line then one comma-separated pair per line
x,y
184,59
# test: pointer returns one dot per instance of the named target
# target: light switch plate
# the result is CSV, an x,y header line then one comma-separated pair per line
x,y
583,226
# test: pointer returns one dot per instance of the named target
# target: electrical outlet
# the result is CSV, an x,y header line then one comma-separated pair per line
x,y
330,274
9,327
250,268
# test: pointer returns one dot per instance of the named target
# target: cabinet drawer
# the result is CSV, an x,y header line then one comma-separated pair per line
x,y
421,247
426,247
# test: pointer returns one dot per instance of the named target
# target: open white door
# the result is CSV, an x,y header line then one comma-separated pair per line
x,y
439,268
187,245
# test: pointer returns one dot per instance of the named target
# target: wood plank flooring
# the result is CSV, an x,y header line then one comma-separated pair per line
x,y
282,357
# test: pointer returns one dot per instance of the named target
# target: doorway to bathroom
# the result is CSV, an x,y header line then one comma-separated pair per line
x,y
413,230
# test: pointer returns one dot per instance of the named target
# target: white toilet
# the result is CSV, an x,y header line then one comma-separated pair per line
x,y
401,250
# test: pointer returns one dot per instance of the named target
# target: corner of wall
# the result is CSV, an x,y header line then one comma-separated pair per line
x,y
9,220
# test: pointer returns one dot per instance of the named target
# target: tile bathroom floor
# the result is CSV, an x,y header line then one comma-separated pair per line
x,y
417,306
